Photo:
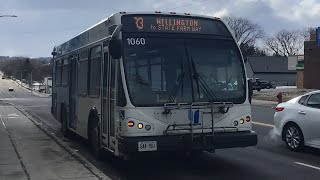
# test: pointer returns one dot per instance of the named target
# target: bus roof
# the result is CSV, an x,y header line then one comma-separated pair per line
x,y
101,30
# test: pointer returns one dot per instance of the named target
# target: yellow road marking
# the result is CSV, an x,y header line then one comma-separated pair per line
x,y
263,124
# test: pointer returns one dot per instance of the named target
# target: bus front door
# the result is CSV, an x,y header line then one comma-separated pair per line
x,y
108,100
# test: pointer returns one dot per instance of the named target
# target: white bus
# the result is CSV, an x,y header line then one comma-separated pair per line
x,y
139,82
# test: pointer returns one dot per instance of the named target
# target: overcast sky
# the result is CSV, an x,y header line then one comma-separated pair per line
x,y
43,24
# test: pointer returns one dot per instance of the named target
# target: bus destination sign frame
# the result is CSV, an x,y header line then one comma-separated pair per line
x,y
173,24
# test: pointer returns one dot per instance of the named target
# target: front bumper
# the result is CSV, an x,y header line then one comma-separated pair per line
x,y
184,143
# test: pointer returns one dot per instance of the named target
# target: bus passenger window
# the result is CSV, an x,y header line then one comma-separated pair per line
x,y
65,72
83,72
95,71
58,73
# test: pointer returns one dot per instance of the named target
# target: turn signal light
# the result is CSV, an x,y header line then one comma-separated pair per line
x,y
130,123
278,109
248,118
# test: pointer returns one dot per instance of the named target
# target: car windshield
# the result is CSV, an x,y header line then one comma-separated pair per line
x,y
161,66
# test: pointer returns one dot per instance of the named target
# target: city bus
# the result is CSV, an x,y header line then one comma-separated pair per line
x,y
153,82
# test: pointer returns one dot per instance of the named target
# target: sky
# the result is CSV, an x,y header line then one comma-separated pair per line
x,y
43,24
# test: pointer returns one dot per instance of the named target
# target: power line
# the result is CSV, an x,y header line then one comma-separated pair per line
x,y
8,16
76,28
185,5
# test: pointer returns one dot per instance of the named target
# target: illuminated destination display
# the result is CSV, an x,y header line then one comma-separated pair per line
x,y
173,24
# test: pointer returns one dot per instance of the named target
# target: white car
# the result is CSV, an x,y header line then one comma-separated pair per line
x,y
297,121
10,89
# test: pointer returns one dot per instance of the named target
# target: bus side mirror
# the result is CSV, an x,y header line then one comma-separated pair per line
x,y
54,53
115,47
115,44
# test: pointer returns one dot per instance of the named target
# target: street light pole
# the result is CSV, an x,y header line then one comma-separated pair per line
x,y
31,83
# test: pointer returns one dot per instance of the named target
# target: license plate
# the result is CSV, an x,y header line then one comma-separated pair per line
x,y
147,146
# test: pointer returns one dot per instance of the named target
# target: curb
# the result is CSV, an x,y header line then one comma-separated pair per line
x,y
95,171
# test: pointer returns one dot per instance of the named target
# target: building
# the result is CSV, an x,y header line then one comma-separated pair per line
x,y
311,70
47,82
249,70
37,86
294,60
272,68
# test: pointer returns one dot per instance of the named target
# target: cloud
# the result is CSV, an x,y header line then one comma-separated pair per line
x,y
296,11
221,13
43,24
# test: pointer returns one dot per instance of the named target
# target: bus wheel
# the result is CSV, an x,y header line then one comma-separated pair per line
x,y
64,123
94,137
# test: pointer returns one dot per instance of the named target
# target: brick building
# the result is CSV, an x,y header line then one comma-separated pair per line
x,y
311,73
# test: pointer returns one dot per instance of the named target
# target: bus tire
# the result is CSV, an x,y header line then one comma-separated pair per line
x,y
94,137
64,122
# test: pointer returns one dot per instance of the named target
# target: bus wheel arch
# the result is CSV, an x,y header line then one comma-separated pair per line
x,y
93,132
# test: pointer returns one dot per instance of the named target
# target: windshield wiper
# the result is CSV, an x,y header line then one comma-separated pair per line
x,y
179,82
202,83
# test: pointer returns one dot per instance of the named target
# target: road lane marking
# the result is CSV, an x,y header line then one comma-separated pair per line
x,y
263,124
307,165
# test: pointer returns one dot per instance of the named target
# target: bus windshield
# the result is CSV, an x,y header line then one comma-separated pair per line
x,y
157,67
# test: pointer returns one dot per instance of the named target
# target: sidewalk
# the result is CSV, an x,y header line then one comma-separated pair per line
x,y
26,152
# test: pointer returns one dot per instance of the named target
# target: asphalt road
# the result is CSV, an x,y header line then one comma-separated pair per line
x,y
268,160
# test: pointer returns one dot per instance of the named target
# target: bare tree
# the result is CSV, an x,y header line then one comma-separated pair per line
x,y
306,32
245,31
285,42
246,34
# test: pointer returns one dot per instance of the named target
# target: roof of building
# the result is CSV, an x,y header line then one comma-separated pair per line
x,y
269,64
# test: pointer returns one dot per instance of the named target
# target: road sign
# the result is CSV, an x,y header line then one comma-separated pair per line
x,y
318,36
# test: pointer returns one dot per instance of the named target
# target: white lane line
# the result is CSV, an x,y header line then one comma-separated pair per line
x,y
307,165
263,124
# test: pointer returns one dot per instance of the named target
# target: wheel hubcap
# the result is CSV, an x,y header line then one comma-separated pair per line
x,y
293,137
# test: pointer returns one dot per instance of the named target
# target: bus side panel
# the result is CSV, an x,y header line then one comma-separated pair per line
x,y
85,104
62,98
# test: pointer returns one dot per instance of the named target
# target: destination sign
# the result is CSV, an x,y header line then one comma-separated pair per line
x,y
173,24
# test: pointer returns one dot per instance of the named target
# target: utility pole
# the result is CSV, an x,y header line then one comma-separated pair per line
x,y
31,82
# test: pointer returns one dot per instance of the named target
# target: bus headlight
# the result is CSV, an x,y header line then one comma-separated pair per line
x,y
148,127
140,125
241,121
